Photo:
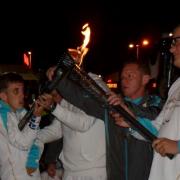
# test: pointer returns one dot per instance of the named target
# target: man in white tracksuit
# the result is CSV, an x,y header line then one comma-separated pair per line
x,y
13,156
168,142
83,153
84,150
14,144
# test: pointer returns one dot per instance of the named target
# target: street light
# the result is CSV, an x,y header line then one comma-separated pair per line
x,y
30,63
143,43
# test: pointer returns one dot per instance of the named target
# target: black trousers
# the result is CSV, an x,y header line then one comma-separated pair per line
x,y
139,158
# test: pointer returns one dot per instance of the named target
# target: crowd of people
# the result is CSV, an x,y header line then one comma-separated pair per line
x,y
81,138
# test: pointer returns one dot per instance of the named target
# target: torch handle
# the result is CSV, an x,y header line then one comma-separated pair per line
x,y
134,123
141,129
26,118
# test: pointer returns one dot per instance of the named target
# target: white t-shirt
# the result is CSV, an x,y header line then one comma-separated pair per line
x,y
169,121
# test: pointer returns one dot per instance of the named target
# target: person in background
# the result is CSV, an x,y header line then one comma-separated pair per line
x,y
143,107
164,168
53,166
50,157
15,144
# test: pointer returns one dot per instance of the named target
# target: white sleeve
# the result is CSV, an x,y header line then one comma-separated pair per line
x,y
158,121
20,139
50,133
73,117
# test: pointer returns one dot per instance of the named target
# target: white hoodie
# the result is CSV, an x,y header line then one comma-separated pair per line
x,y
84,148
162,167
14,147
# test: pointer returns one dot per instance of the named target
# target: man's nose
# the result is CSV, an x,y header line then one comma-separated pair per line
x,y
172,49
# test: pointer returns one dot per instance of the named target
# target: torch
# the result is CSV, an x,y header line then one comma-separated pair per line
x,y
64,67
62,70
84,80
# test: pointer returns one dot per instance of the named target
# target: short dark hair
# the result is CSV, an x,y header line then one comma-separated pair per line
x,y
9,77
144,67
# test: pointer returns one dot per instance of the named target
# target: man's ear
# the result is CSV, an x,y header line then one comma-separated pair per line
x,y
3,96
146,79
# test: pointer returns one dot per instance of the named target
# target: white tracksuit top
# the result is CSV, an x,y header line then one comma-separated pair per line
x,y
83,138
14,147
169,120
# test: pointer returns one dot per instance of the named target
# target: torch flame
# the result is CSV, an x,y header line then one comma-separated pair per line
x,y
86,33
83,49
79,53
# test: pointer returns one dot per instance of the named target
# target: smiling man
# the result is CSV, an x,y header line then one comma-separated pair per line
x,y
168,142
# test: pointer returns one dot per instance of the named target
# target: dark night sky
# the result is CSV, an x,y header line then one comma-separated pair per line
x,y
48,28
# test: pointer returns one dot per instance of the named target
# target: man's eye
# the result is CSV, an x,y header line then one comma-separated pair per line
x,y
130,76
15,91
174,41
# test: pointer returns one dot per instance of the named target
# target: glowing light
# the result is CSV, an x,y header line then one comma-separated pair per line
x,y
86,32
112,85
131,45
170,34
109,80
83,49
26,60
145,42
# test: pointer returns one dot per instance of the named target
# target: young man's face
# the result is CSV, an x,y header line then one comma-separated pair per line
x,y
175,48
133,81
14,95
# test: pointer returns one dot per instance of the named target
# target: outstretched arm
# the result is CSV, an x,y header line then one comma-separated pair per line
x,y
73,117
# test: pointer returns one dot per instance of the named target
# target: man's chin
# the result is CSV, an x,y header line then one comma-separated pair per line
x,y
177,63
21,106
126,93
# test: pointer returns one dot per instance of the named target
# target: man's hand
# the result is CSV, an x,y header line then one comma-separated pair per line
x,y
30,171
116,100
50,72
165,146
119,120
51,169
44,102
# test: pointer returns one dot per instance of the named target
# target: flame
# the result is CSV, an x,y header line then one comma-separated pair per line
x,y
79,53
86,32
83,49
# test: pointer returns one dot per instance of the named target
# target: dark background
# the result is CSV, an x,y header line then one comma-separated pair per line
x,y
48,28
